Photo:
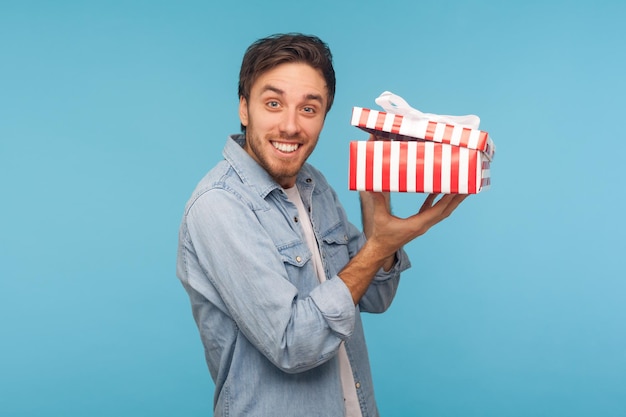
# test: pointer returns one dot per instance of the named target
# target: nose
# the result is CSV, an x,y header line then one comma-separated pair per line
x,y
289,125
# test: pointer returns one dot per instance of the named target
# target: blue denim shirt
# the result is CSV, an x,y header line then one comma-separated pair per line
x,y
270,329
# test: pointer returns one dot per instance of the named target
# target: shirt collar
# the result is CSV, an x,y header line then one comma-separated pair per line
x,y
250,172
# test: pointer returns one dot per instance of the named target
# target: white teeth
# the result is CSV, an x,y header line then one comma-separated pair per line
x,y
286,147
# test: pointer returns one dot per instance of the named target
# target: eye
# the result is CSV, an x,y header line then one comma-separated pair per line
x,y
272,104
308,109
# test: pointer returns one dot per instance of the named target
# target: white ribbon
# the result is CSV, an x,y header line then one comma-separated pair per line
x,y
397,105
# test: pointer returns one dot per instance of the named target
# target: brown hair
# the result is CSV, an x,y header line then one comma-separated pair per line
x,y
267,53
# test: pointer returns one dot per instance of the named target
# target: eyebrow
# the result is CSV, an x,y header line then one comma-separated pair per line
x,y
269,87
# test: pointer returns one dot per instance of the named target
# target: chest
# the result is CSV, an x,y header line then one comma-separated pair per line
x,y
285,225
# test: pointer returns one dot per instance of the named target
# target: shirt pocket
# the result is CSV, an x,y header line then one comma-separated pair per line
x,y
335,248
297,259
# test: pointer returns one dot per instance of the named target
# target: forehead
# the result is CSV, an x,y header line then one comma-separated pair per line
x,y
291,78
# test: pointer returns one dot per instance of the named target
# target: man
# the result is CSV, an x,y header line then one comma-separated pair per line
x,y
276,275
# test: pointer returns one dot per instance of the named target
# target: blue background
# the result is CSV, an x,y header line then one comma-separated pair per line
x,y
110,112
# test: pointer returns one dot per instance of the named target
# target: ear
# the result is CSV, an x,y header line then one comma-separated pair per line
x,y
243,111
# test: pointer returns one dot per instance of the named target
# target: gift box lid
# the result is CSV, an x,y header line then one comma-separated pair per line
x,y
405,127
398,127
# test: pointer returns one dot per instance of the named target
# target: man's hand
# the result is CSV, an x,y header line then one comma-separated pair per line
x,y
387,233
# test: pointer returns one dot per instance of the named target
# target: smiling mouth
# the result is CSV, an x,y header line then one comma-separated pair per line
x,y
286,147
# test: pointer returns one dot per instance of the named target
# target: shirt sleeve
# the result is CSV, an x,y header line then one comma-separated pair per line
x,y
230,257
382,290
383,287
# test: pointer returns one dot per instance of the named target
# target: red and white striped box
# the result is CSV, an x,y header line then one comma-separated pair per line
x,y
421,156
417,166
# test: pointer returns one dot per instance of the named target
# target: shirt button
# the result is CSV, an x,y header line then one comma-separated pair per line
x,y
295,219
357,385
298,259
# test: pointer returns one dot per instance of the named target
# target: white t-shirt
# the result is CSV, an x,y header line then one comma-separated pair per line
x,y
351,400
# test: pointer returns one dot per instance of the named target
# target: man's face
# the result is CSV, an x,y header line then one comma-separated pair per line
x,y
283,118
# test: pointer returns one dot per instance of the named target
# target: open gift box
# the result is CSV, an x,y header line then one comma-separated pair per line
x,y
422,152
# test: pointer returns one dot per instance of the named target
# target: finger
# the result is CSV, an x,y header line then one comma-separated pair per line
x,y
384,199
430,215
373,199
387,197
458,199
428,203
375,137
441,209
448,203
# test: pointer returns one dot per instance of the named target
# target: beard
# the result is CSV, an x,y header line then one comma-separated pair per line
x,y
281,170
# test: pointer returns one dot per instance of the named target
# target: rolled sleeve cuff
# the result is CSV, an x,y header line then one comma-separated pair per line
x,y
334,301
402,264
